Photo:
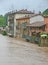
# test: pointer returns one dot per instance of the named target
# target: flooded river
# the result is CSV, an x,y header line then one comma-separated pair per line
x,y
17,52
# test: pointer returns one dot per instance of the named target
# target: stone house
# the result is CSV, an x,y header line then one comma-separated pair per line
x,y
13,17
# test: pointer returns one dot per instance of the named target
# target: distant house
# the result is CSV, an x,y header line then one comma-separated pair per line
x,y
46,22
13,17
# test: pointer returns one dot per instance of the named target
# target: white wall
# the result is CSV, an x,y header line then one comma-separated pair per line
x,y
36,19
21,15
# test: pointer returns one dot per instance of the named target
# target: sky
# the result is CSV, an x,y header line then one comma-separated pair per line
x,y
9,5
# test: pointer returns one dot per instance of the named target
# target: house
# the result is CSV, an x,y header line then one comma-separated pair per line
x,y
36,24
46,22
13,17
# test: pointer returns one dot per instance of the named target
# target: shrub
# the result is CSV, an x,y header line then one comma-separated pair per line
x,y
4,33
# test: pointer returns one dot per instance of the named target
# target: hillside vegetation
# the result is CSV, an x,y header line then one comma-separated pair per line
x,y
45,12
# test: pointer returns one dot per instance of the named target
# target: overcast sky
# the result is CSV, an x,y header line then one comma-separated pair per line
x,y
8,5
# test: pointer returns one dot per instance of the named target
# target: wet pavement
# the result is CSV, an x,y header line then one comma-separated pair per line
x,y
17,52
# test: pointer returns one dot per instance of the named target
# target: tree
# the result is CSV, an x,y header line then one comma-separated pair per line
x,y
45,12
2,21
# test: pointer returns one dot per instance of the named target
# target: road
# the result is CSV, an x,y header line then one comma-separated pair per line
x,y
18,52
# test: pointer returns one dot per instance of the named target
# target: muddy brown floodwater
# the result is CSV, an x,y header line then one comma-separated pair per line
x,y
17,52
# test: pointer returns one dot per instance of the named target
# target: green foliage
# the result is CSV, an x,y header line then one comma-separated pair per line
x,y
2,21
47,36
4,33
45,12
44,36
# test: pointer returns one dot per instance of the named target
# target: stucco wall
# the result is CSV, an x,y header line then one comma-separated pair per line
x,y
21,15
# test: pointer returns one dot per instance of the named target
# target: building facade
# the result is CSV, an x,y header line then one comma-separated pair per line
x,y
21,25
13,18
36,24
25,22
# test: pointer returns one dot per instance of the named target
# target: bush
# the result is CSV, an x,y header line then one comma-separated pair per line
x,y
4,33
46,35
42,33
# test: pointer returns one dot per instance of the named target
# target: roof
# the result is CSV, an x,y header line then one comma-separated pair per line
x,y
36,15
23,11
37,24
